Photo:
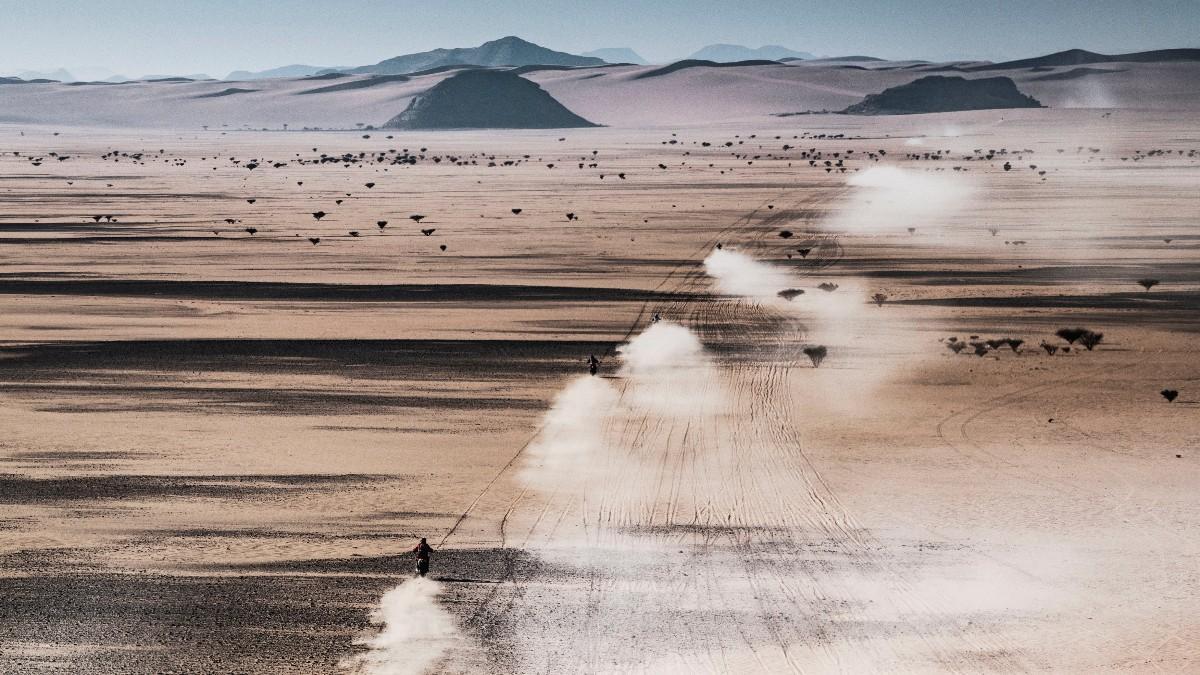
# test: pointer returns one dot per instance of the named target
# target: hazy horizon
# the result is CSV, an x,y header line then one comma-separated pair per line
x,y
138,37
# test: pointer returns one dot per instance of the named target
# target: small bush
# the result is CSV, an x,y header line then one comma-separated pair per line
x,y
879,299
1147,283
1090,339
1050,349
1014,344
816,354
1071,335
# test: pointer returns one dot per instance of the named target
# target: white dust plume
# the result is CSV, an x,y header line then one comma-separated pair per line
x,y
665,373
889,200
569,449
416,632
739,274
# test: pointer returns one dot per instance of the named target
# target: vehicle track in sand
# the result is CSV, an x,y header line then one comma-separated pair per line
x,y
684,278
785,595
779,541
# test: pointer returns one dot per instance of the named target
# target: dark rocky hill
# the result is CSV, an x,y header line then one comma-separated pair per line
x,y
940,93
486,99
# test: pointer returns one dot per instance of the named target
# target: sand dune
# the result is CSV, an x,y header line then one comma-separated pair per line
x,y
627,96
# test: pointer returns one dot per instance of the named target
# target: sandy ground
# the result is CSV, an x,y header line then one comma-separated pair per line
x,y
218,446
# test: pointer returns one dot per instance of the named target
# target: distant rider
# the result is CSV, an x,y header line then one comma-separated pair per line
x,y
422,550
593,364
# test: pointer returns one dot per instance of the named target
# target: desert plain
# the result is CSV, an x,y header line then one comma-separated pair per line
x,y
220,446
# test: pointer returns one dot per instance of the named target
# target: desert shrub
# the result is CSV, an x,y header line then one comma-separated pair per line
x,y
1147,283
1014,344
816,354
996,344
956,346
1050,349
1071,335
1169,394
827,287
1090,339
879,299
980,348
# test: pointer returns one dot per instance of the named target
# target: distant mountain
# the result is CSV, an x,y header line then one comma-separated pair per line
x,y
728,53
848,59
939,93
1080,57
617,55
60,74
93,73
193,76
696,63
17,80
296,70
486,99
507,51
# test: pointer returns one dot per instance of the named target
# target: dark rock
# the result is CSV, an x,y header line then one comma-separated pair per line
x,y
486,99
939,93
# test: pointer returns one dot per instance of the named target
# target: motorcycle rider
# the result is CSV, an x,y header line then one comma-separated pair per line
x,y
422,550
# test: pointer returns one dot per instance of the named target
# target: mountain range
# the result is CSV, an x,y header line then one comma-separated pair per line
x,y
1079,57
514,51
722,53
617,55
295,70
507,51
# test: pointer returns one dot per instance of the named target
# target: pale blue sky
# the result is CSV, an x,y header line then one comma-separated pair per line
x,y
135,37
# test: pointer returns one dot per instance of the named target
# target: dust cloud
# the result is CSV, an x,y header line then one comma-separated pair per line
x,y
416,632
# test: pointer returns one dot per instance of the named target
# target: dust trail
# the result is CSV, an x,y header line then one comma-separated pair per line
x,y
738,274
665,372
948,131
564,454
415,632
889,199
579,454
668,372
866,344
1087,93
